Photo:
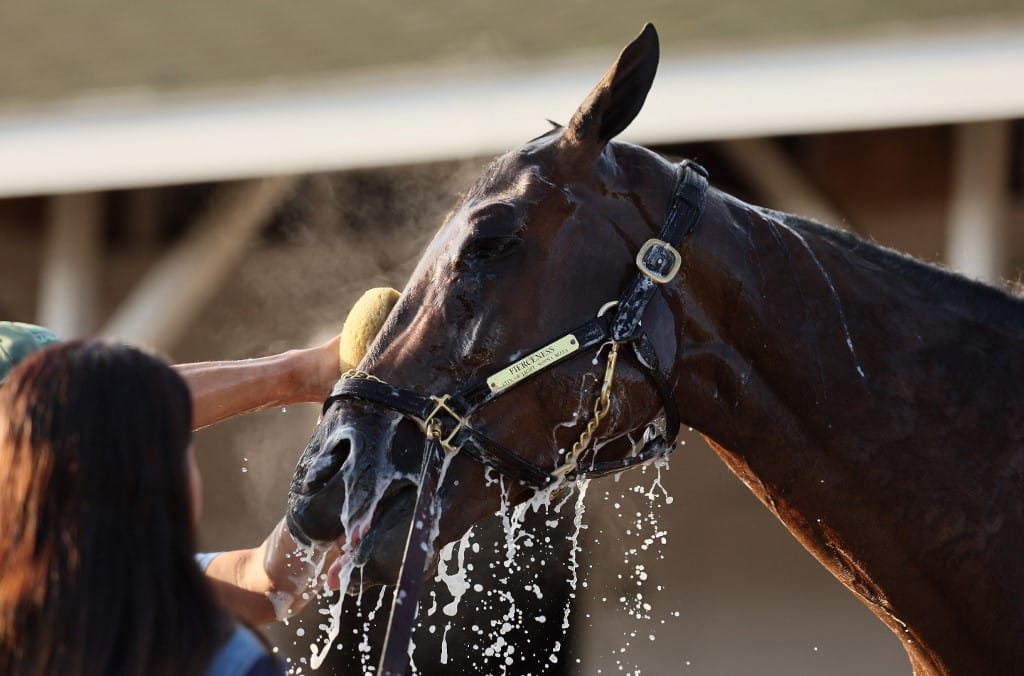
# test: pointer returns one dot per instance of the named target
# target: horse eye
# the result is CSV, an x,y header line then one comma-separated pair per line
x,y
485,248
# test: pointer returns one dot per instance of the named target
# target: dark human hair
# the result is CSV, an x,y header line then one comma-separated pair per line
x,y
97,535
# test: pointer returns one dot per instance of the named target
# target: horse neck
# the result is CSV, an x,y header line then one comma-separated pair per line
x,y
874,405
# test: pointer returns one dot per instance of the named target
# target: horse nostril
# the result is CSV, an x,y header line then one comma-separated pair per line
x,y
323,467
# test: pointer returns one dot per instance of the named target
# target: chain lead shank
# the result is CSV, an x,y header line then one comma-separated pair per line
x,y
601,407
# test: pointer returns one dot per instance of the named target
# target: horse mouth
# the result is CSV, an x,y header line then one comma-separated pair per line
x,y
355,489
375,548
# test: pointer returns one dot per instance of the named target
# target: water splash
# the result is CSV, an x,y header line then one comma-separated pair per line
x,y
658,464
364,646
454,578
333,628
520,554
501,643
637,511
574,540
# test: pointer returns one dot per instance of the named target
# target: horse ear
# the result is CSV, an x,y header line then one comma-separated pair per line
x,y
616,99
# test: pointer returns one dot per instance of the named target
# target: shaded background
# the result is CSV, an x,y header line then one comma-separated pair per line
x,y
223,180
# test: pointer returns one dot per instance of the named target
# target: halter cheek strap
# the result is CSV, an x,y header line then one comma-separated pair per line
x,y
445,419
658,259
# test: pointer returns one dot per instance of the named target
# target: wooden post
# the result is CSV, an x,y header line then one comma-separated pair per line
x,y
73,249
976,236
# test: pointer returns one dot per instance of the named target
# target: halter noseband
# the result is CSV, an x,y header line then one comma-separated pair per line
x,y
444,419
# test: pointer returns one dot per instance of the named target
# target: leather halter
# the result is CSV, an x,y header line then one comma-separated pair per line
x,y
445,419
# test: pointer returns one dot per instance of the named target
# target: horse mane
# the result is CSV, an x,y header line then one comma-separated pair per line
x,y
990,305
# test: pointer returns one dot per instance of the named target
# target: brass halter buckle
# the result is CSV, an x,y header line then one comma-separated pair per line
x,y
663,247
431,425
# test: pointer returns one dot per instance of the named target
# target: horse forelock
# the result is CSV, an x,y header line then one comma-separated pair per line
x,y
555,130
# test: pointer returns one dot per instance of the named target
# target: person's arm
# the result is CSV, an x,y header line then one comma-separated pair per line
x,y
222,389
267,582
271,582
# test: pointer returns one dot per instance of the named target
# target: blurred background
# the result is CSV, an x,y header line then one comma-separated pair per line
x,y
222,180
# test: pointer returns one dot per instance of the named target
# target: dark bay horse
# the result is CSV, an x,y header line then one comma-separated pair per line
x,y
873,403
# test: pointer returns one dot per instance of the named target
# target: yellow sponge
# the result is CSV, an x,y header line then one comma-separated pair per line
x,y
363,323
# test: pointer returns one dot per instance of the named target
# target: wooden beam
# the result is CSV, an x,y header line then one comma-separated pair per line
x,y
167,300
780,182
976,233
431,113
69,291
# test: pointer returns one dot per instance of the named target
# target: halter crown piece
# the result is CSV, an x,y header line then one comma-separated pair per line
x,y
445,418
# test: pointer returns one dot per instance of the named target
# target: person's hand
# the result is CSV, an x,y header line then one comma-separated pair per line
x,y
274,581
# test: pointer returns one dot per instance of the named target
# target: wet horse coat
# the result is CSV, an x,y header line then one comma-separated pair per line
x,y
871,402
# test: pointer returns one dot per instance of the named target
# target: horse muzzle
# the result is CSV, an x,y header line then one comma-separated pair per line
x,y
357,474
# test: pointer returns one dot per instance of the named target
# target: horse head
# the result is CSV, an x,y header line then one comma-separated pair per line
x,y
870,401
540,244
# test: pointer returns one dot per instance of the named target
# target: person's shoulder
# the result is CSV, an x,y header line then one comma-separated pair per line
x,y
243,654
18,340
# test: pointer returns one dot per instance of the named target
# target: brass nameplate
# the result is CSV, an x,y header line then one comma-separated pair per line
x,y
532,363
